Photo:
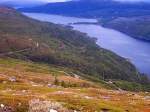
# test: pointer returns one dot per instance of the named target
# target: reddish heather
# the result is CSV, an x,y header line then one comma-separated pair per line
x,y
5,10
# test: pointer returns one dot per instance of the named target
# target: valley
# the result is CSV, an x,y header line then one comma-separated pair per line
x,y
46,66
106,38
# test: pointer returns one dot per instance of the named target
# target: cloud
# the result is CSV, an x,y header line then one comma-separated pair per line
x,y
54,0
31,1
27,3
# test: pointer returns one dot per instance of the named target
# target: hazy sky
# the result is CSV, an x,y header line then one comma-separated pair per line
x,y
32,0
133,0
64,0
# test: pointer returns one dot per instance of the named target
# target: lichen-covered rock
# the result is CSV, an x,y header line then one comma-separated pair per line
x,y
52,110
37,105
4,108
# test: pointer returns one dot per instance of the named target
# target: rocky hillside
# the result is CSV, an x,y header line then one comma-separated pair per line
x,y
26,86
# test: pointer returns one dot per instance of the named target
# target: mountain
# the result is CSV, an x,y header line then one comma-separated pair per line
x,y
105,11
46,67
28,39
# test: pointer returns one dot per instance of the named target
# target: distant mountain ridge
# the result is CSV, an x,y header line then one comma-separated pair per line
x,y
106,11
93,8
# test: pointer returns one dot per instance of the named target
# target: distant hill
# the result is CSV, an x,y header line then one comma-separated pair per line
x,y
93,8
137,27
106,11
28,39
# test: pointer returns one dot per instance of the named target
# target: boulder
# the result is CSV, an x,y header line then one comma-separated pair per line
x,y
52,110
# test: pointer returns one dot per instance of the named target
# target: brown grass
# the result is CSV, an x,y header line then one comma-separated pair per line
x,y
84,96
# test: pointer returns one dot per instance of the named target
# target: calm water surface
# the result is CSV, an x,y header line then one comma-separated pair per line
x,y
137,51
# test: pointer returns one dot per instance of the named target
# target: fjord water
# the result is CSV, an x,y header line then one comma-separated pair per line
x,y
137,51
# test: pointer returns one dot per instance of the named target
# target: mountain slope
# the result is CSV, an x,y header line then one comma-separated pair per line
x,y
137,27
108,12
26,86
28,39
